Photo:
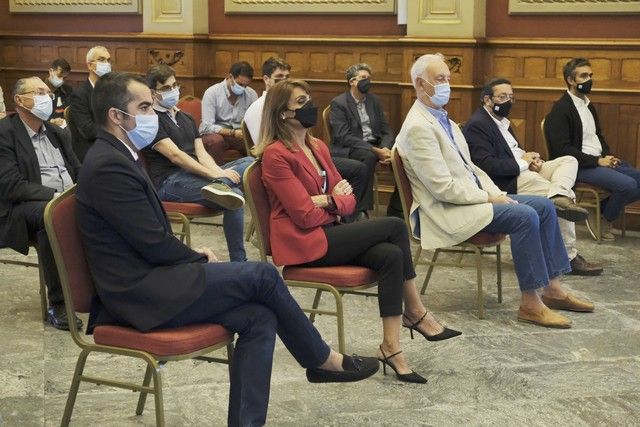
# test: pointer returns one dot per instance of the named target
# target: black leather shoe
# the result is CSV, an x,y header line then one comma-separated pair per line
x,y
57,317
582,267
355,367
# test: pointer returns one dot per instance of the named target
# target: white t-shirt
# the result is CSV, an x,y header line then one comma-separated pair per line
x,y
518,152
253,118
590,141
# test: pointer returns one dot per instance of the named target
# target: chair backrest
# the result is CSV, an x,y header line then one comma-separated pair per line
x,y
258,200
545,147
248,141
68,251
193,106
404,186
326,124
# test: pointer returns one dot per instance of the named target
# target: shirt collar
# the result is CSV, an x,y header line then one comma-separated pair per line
x,y
133,153
30,131
438,113
503,123
579,101
356,100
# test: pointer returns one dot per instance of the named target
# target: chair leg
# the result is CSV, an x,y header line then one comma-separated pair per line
x,y
416,258
316,303
429,271
73,390
340,322
478,255
499,273
376,196
623,223
43,291
250,230
157,385
230,351
598,225
143,394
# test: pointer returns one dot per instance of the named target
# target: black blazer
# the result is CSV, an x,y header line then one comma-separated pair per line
x,y
490,151
20,176
83,125
563,131
346,127
144,276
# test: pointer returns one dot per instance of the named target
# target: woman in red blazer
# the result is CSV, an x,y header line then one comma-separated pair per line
x,y
308,197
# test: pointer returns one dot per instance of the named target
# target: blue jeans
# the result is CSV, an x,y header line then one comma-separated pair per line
x,y
251,299
622,182
536,245
185,187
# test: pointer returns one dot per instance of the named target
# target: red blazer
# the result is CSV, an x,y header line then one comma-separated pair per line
x,y
295,223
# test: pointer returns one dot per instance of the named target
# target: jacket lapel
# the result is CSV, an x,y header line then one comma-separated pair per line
x,y
353,109
33,168
308,167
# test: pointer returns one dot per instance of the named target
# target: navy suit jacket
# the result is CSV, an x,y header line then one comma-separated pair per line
x,y
20,176
563,131
83,125
143,275
346,127
490,151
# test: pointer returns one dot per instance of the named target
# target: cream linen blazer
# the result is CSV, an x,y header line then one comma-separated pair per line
x,y
448,206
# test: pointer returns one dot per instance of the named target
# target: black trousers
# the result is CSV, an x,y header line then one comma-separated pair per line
x,y
33,213
381,244
370,160
355,172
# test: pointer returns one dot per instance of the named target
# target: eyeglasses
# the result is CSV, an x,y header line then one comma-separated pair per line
x,y
167,88
504,97
40,93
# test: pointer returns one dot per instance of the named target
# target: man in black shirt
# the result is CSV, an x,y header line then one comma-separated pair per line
x,y
59,70
183,171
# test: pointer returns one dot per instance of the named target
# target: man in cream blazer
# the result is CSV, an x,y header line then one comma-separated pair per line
x,y
454,199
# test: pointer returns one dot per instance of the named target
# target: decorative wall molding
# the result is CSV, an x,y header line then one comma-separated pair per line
x,y
572,7
310,6
75,6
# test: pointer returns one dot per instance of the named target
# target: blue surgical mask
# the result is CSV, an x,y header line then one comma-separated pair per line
x,y
170,98
42,107
145,131
102,68
441,96
237,89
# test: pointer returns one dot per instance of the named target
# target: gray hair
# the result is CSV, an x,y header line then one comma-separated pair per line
x,y
21,85
92,52
354,69
422,63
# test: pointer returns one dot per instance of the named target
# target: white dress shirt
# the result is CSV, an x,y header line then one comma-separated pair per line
x,y
518,152
590,141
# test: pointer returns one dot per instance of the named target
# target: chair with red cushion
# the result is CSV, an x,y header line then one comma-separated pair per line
x,y
184,213
192,105
475,245
155,348
337,280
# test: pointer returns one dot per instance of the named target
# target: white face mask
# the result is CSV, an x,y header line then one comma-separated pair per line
x,y
102,68
55,80
42,107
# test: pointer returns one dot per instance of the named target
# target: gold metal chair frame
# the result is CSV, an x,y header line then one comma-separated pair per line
x,y
462,248
320,287
153,363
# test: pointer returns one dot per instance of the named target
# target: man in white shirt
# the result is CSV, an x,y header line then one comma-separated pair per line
x,y
572,128
495,150
223,107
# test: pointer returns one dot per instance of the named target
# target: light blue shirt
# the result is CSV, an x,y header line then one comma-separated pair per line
x,y
219,113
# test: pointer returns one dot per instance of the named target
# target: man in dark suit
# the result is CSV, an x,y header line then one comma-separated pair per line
x,y
58,72
83,124
148,279
359,129
572,128
36,163
495,150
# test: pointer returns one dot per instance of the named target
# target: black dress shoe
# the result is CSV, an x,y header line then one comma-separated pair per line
x,y
355,367
57,317
582,267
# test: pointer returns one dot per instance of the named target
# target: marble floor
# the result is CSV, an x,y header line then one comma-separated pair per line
x,y
499,372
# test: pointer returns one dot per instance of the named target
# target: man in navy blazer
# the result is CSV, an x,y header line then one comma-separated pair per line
x,y
145,277
36,163
359,129
572,128
494,148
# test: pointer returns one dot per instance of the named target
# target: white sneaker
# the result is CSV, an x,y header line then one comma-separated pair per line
x,y
221,194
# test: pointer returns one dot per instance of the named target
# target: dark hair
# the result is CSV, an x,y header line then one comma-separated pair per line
x,y
159,74
569,69
62,63
487,89
112,91
353,70
272,64
241,68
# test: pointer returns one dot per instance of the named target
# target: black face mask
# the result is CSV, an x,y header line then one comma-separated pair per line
x,y
364,85
502,110
585,87
307,115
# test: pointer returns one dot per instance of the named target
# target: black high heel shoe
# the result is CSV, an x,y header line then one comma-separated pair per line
x,y
444,335
411,377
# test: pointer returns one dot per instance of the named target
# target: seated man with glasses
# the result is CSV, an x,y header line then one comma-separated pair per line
x,y
36,163
223,107
495,150
183,171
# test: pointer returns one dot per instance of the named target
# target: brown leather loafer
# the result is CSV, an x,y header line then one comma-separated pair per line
x,y
567,209
582,267
569,303
545,317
